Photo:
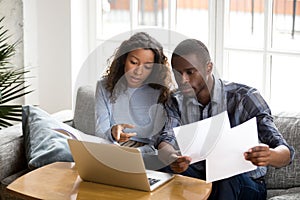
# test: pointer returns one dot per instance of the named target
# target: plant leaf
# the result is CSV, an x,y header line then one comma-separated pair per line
x,y
12,81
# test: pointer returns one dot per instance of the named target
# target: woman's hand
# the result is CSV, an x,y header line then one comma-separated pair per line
x,y
118,134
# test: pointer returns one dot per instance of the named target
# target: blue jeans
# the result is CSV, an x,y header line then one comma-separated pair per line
x,y
239,187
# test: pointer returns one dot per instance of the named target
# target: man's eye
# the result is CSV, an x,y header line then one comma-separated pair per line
x,y
190,72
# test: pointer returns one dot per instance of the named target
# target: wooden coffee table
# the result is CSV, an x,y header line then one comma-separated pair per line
x,y
60,180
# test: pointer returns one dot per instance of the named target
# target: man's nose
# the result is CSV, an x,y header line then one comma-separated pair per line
x,y
185,78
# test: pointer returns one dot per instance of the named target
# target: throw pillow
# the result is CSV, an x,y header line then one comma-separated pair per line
x,y
44,145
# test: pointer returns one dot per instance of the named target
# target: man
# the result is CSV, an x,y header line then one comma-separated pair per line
x,y
201,95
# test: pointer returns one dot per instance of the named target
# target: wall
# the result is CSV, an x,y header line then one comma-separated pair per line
x,y
56,44
47,50
12,10
44,27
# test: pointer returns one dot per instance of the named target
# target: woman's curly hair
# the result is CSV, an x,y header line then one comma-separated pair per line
x,y
160,77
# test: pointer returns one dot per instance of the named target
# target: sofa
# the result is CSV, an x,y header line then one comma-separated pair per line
x,y
13,160
283,183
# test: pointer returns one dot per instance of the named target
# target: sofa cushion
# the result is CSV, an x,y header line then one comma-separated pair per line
x,y
289,176
295,196
84,114
43,145
279,192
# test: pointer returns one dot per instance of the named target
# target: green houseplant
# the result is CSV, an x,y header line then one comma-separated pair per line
x,y
12,81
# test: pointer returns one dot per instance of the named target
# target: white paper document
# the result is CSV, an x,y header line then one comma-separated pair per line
x,y
227,158
198,139
222,147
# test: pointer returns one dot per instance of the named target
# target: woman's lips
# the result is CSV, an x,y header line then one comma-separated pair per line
x,y
134,79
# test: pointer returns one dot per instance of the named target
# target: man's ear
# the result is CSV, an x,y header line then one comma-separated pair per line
x,y
209,67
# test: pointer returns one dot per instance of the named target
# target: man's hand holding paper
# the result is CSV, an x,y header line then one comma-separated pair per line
x,y
181,164
227,151
259,155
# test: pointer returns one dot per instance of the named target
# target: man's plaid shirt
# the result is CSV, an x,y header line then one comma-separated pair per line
x,y
241,102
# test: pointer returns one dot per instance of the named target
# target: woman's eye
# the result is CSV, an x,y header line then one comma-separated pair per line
x,y
148,66
133,62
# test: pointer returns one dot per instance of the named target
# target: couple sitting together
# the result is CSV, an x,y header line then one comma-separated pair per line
x,y
136,107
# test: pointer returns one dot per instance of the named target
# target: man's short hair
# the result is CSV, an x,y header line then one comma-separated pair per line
x,y
192,46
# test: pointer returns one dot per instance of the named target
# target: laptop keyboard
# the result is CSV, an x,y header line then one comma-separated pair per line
x,y
153,181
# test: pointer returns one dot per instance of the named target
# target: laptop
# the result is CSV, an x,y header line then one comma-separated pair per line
x,y
115,165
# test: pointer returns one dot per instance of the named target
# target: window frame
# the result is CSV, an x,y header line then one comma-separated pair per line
x,y
218,12
267,50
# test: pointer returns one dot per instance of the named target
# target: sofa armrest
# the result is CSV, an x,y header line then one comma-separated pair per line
x,y
12,153
65,116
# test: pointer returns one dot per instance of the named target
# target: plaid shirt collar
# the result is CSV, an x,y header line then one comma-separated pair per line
x,y
217,102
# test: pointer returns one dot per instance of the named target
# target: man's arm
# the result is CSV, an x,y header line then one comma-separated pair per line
x,y
274,150
166,143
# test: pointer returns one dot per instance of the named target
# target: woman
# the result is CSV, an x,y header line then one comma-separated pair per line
x,y
130,95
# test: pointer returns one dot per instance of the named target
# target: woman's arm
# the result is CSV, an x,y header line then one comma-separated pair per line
x,y
103,122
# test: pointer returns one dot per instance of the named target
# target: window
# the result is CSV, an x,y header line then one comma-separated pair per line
x,y
255,42
112,17
262,49
153,13
117,16
192,19
285,81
